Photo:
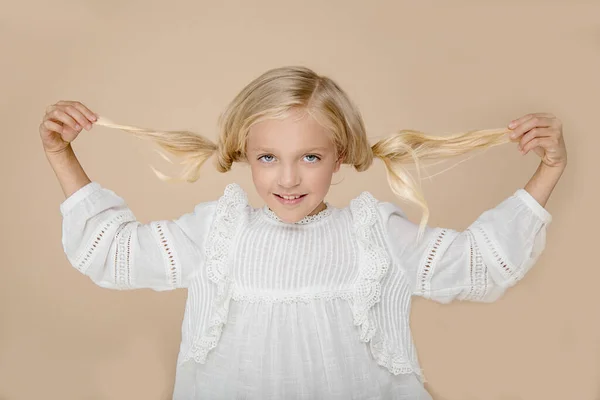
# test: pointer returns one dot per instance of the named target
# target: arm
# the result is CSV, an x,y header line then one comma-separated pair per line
x,y
100,235
541,133
60,126
543,181
502,245
68,170
492,254
102,239
477,264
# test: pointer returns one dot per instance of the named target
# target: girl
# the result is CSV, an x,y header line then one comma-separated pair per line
x,y
299,299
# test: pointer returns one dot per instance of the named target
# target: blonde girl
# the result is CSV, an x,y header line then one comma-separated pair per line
x,y
299,299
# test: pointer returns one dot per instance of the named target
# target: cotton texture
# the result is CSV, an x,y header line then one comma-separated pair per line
x,y
317,309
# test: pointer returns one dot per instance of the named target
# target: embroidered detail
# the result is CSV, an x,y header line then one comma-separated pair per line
x,y
239,295
478,271
123,255
374,264
217,247
173,269
504,267
395,362
424,276
306,220
83,261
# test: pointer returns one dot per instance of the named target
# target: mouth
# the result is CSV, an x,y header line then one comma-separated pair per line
x,y
290,199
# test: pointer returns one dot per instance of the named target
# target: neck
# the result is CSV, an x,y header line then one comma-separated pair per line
x,y
319,208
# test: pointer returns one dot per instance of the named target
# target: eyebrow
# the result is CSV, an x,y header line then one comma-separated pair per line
x,y
267,149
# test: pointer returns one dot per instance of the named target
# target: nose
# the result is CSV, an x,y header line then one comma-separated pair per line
x,y
289,176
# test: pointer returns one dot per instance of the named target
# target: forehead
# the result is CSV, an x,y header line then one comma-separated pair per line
x,y
295,132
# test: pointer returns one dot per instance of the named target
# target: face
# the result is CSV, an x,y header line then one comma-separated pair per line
x,y
292,157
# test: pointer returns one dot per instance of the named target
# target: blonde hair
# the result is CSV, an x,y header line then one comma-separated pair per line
x,y
278,91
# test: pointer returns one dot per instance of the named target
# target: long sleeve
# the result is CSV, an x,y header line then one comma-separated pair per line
x,y
103,240
477,264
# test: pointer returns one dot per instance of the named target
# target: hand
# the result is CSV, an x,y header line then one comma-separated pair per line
x,y
542,133
62,123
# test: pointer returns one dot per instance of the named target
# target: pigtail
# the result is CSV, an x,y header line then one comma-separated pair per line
x,y
411,147
191,147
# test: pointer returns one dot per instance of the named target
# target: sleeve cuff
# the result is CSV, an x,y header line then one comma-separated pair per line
x,y
533,204
79,195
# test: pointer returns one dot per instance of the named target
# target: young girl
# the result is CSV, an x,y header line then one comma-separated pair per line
x,y
299,299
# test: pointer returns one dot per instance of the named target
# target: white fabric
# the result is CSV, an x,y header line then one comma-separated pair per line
x,y
315,309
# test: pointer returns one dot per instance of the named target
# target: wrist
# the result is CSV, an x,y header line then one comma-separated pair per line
x,y
557,169
58,152
68,170
543,182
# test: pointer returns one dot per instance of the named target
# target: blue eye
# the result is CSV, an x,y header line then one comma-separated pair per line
x,y
266,155
262,158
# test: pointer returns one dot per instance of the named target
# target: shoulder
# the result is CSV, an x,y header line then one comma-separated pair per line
x,y
233,198
223,214
366,207
232,206
233,201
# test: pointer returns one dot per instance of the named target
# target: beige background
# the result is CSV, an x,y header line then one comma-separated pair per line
x,y
437,66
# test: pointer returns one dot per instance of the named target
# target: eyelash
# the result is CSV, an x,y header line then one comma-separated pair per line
x,y
271,155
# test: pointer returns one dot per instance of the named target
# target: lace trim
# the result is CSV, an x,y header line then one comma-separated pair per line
x,y
424,281
478,271
394,361
217,247
374,264
123,256
239,295
83,261
173,268
306,220
507,270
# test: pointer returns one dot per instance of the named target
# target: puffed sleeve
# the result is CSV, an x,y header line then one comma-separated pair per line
x,y
103,240
477,264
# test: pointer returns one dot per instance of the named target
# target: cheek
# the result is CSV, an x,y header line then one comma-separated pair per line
x,y
320,176
325,178
261,176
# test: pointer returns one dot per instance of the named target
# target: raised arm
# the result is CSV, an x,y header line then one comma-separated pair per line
x,y
100,234
103,240
477,264
61,125
541,133
502,245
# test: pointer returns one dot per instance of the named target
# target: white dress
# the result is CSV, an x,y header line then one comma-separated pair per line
x,y
318,309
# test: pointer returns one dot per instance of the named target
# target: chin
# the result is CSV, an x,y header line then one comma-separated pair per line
x,y
289,216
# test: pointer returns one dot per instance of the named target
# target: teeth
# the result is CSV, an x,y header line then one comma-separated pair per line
x,y
290,198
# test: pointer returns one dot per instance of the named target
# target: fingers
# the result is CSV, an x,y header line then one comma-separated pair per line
x,y
86,113
530,135
513,124
76,114
542,133
50,126
81,107
72,113
57,114
531,126
67,133
526,125
535,142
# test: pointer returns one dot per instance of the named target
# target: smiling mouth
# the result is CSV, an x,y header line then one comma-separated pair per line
x,y
289,197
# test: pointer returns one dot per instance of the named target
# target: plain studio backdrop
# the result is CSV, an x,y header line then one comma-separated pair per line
x,y
436,66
